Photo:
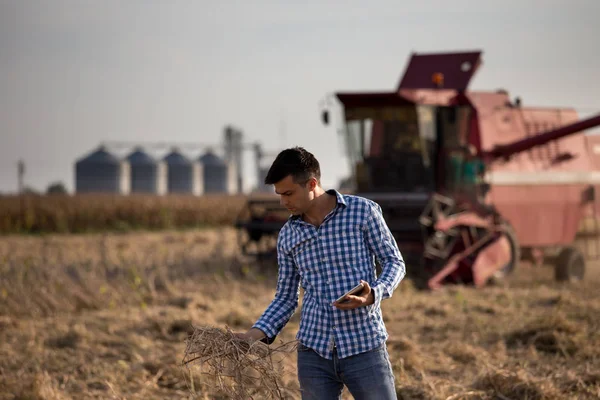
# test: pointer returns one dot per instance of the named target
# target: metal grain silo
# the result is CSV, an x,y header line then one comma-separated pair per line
x,y
218,175
147,174
183,175
102,172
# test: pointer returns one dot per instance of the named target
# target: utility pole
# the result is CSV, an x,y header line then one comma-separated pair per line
x,y
21,174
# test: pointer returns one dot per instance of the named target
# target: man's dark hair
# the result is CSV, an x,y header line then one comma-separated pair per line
x,y
297,162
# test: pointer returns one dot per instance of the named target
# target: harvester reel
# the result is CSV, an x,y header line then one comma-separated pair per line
x,y
468,240
438,206
438,244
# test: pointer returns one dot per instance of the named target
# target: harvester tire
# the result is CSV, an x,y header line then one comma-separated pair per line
x,y
515,251
570,265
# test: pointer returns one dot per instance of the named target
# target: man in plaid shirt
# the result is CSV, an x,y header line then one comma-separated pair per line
x,y
329,245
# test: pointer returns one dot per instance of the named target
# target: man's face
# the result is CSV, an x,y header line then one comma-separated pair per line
x,y
295,197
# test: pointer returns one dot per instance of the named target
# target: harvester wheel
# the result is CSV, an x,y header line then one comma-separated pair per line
x,y
570,265
515,251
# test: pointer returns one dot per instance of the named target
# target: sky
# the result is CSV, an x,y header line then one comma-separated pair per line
x,y
77,73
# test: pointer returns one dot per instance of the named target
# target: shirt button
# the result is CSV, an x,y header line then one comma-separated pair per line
x,y
334,327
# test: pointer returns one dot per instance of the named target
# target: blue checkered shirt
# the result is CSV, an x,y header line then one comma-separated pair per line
x,y
328,261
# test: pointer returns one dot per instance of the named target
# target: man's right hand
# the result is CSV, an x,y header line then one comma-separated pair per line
x,y
252,335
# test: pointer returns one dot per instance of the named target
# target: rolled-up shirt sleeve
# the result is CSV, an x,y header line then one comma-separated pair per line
x,y
285,302
383,245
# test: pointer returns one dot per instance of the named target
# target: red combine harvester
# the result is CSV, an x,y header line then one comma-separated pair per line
x,y
469,182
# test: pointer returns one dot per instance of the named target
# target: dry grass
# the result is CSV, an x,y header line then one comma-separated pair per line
x,y
241,369
101,212
108,316
45,275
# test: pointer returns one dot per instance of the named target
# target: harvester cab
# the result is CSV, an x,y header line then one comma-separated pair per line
x,y
419,138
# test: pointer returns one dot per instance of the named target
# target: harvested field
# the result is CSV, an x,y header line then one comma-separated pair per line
x,y
106,316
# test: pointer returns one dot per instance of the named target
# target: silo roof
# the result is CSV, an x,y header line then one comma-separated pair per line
x,y
209,158
140,157
176,158
100,156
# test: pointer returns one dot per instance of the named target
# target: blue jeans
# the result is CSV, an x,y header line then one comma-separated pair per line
x,y
367,375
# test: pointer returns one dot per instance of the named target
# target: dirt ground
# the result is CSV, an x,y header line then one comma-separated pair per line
x,y
107,316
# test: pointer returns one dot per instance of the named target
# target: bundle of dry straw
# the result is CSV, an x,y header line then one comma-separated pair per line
x,y
240,369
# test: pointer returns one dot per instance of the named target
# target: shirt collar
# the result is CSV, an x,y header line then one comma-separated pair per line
x,y
340,201
338,196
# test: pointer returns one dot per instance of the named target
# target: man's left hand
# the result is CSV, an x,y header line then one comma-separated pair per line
x,y
365,298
